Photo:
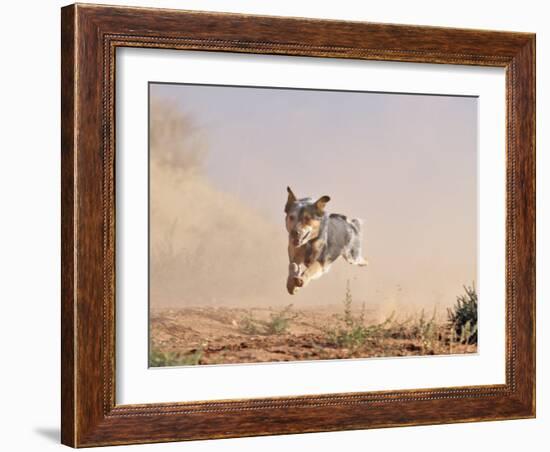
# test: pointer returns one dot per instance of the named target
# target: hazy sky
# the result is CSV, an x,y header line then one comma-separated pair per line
x,y
406,164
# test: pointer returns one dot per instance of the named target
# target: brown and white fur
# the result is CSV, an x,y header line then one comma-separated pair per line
x,y
316,239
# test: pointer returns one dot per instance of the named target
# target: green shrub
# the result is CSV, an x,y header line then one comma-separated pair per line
x,y
426,330
278,323
249,325
351,331
158,358
463,317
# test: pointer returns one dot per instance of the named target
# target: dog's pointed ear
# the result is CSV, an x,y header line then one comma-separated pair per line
x,y
321,203
290,200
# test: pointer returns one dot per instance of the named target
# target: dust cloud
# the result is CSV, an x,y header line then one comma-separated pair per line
x,y
206,246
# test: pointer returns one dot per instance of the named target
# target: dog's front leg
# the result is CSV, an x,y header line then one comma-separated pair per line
x,y
293,278
296,258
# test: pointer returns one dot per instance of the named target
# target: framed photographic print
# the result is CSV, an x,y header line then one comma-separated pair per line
x,y
281,225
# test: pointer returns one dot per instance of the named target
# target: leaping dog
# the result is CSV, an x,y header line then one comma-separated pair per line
x,y
316,239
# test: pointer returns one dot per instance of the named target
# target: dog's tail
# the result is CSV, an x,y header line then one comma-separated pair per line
x,y
357,223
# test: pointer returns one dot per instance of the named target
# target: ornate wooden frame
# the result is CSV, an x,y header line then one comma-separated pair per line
x,y
90,35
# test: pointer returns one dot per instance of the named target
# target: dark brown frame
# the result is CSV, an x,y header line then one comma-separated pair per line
x,y
90,34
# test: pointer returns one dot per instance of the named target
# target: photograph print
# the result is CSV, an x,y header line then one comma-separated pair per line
x,y
299,225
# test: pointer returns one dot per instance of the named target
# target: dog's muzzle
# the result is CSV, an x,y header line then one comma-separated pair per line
x,y
299,239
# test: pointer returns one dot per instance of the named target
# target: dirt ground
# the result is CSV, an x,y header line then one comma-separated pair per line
x,y
219,335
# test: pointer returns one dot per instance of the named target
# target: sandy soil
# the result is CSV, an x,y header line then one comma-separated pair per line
x,y
219,335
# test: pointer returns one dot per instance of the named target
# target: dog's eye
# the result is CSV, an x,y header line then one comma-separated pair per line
x,y
291,217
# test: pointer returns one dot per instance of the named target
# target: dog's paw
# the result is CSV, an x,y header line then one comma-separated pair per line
x,y
291,285
293,290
